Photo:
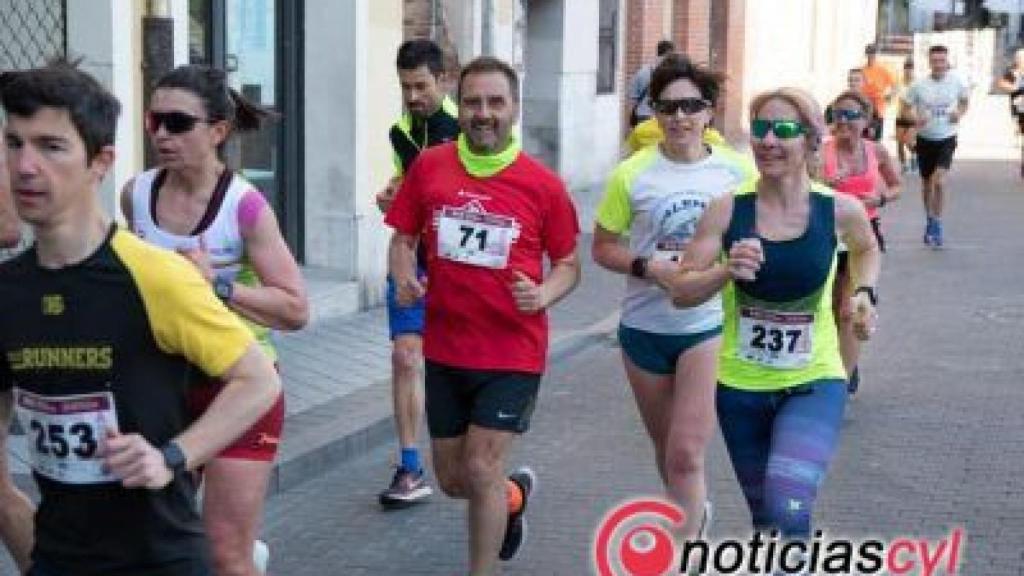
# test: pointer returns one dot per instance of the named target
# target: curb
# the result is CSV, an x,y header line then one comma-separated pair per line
x,y
321,438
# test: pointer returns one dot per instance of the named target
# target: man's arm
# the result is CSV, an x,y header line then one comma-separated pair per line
x,y
531,297
402,267
17,514
251,388
385,197
961,108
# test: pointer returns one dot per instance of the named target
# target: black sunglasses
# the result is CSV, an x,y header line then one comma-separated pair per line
x,y
173,122
687,105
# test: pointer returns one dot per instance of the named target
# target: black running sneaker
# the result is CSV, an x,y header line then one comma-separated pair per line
x,y
515,531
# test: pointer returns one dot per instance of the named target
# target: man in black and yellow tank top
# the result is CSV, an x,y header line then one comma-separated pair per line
x,y
100,336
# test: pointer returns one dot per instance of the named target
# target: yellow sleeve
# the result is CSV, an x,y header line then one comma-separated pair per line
x,y
633,141
713,137
614,213
185,316
645,134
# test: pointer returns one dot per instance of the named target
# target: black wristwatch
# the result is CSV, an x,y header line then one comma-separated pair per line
x,y
174,458
872,295
224,288
638,267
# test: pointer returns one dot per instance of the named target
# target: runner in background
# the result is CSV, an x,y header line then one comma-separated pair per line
x,y
863,169
1012,83
430,118
906,127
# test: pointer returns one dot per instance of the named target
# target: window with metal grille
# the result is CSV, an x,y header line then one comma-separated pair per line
x,y
607,38
32,32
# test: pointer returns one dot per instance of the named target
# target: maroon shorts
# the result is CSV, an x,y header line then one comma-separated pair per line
x,y
259,442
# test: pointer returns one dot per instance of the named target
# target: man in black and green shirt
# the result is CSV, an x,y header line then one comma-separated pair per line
x,y
430,118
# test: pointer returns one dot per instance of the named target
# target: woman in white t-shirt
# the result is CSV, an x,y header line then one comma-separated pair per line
x,y
655,198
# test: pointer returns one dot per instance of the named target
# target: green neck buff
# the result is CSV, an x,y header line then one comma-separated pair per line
x,y
485,166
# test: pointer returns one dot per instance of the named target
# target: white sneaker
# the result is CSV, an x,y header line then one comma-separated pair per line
x,y
260,555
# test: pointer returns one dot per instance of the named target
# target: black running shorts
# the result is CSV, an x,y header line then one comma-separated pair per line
x,y
495,399
932,154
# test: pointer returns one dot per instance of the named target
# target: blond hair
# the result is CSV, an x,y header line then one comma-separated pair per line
x,y
808,110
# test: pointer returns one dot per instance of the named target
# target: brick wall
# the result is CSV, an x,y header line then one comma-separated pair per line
x,y
691,28
709,31
643,32
727,49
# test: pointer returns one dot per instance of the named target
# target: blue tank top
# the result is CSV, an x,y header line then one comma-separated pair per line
x,y
778,330
793,269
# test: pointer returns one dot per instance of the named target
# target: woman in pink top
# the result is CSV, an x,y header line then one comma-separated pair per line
x,y
862,168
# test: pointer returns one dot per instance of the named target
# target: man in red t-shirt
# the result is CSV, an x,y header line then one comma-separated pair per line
x,y
488,214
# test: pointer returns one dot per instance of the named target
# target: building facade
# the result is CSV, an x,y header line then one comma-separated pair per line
x,y
328,67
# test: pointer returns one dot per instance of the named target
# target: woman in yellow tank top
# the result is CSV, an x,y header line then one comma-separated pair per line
x,y
771,248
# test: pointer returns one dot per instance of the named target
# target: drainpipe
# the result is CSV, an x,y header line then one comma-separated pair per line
x,y
434,20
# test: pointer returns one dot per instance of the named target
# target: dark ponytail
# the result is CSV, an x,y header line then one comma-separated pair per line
x,y
220,100
249,116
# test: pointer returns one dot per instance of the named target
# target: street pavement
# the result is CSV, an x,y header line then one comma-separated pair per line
x,y
931,442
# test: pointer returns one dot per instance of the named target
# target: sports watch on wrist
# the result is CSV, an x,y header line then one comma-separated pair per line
x,y
224,288
174,458
870,291
638,267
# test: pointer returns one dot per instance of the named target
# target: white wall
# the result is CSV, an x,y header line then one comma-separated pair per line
x,y
351,98
566,124
542,81
921,13
589,123
464,25
106,34
821,41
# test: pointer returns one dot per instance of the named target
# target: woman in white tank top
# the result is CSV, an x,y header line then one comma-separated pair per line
x,y
194,204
